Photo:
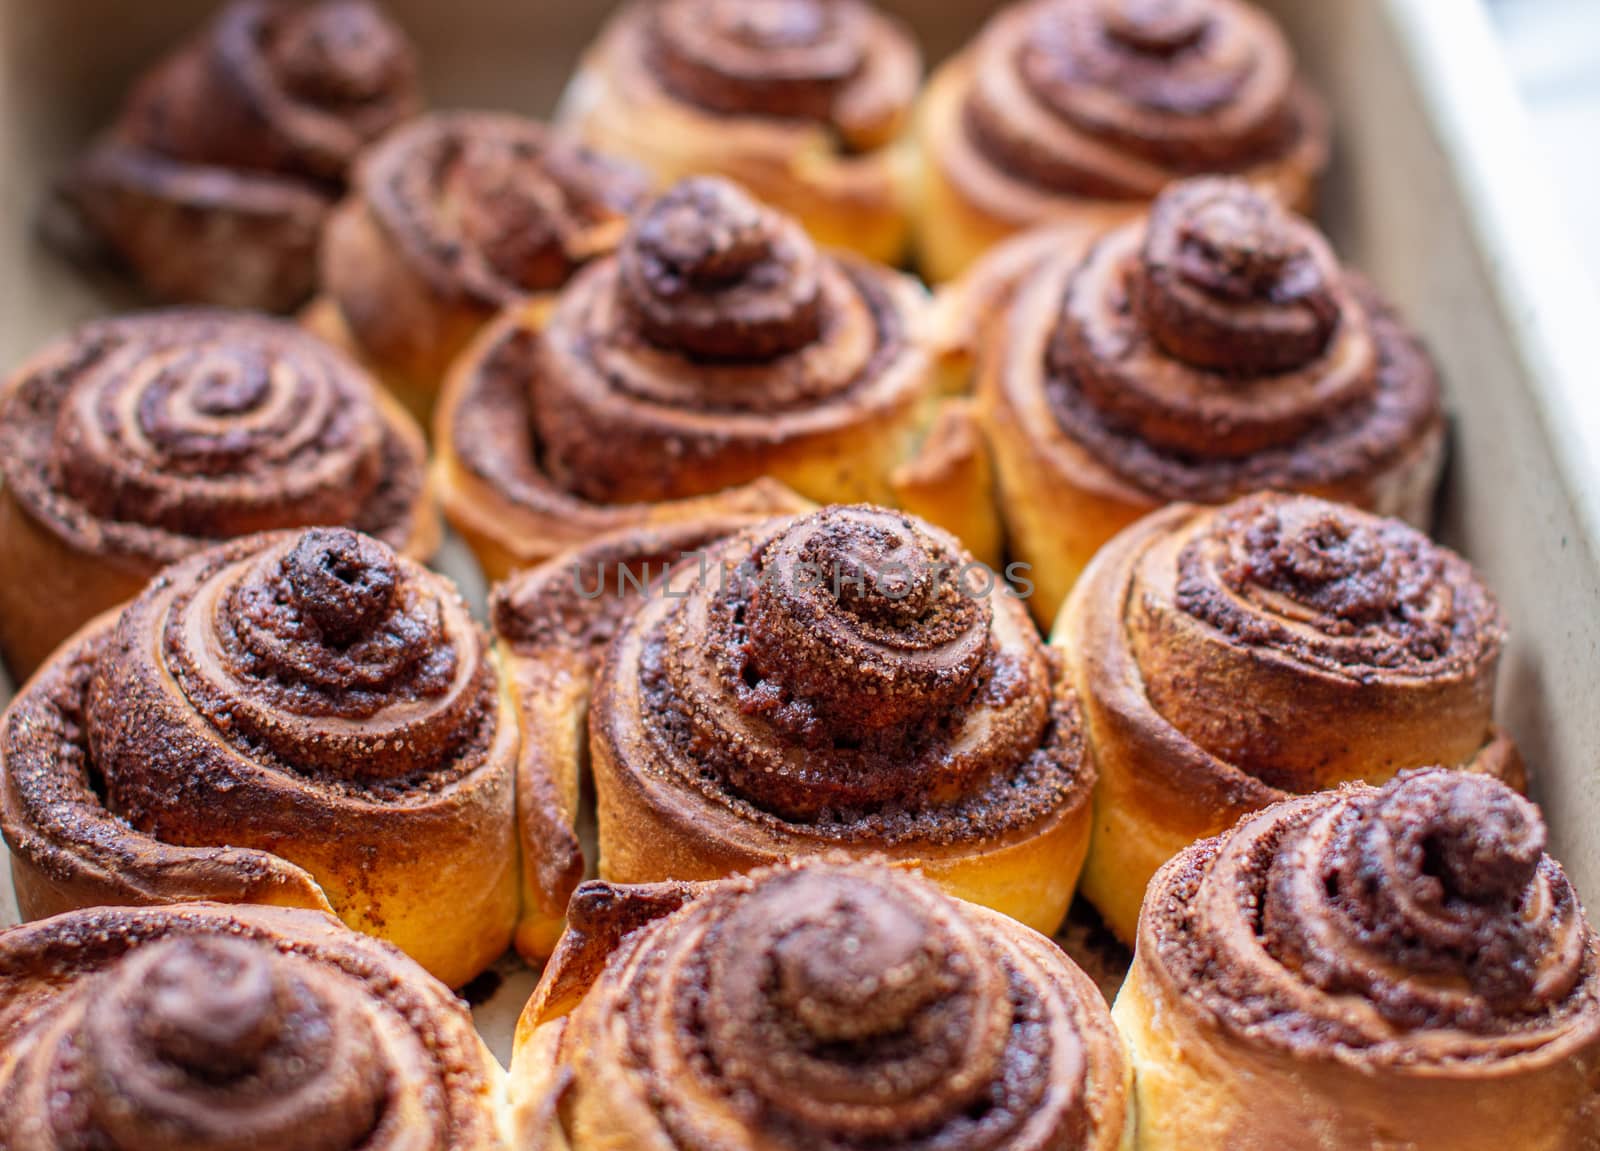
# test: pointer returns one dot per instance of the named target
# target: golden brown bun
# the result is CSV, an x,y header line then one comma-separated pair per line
x,y
216,1028
134,442
1402,967
717,352
452,217
295,718
1230,657
949,480
1212,349
214,183
1079,112
745,714
552,625
817,1004
804,102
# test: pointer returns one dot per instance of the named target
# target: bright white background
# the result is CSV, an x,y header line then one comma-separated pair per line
x,y
1553,47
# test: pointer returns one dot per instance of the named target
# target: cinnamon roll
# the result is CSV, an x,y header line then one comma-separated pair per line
x,y
805,102
224,1029
1213,349
810,1005
1230,657
718,350
294,718
451,218
135,442
847,679
213,184
1079,113
1395,967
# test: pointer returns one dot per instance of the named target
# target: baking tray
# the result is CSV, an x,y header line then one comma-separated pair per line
x,y
1434,192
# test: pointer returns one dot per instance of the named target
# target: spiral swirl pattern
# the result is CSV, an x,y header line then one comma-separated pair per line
x,y
291,88
846,1005
1228,291
1232,282
150,436
221,1031
214,183
324,653
841,678
1417,922
1335,646
1114,99
711,273
301,718
1437,875
218,1008
1317,613
718,317
493,208
1220,347
835,62
1337,589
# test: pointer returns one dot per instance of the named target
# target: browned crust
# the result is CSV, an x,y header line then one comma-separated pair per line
x,y
857,199
600,916
68,851
214,182
196,233
572,1088
429,863
1063,497
1279,1053
1158,779
446,1087
413,284
1011,838
970,202
829,418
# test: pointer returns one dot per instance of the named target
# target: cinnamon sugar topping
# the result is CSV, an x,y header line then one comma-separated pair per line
x,y
1338,587
1429,902
218,1028
833,62
494,208
153,435
831,677
839,1005
708,271
1218,347
1113,99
